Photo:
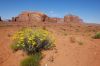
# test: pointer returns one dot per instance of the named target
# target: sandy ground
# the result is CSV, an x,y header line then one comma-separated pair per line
x,y
77,48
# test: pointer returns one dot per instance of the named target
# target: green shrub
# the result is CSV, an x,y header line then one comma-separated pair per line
x,y
14,47
32,60
97,36
32,40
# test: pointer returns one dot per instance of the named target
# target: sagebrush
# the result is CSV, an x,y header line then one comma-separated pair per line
x,y
32,41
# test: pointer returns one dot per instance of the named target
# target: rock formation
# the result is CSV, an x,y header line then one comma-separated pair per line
x,y
30,16
50,19
41,17
54,20
14,19
72,18
60,20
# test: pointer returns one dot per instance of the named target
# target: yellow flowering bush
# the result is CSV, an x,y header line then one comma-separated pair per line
x,y
32,40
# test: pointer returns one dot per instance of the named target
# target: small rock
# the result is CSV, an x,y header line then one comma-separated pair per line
x,y
46,64
51,59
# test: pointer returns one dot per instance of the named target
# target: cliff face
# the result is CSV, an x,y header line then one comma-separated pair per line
x,y
72,18
30,16
41,17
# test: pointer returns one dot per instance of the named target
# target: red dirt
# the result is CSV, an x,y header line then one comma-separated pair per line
x,y
66,52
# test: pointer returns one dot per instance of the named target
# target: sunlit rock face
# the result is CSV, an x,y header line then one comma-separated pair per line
x,y
30,16
54,20
50,19
72,19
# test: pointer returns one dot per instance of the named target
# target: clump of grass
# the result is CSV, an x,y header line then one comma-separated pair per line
x,y
44,27
97,36
33,60
80,42
14,47
65,34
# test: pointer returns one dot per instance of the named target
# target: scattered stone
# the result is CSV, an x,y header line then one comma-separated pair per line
x,y
46,64
9,35
51,59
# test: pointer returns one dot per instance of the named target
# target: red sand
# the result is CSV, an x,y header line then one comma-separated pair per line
x,y
85,51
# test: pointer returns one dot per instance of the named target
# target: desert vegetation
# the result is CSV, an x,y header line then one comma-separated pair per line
x,y
32,42
32,60
97,35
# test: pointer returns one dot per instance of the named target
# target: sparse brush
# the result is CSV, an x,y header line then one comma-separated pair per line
x,y
32,41
65,34
44,27
14,47
80,42
97,36
33,60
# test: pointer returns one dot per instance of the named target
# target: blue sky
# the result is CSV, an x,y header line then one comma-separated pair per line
x,y
88,10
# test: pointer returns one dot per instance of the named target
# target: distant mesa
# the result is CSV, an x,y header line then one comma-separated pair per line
x,y
30,16
72,18
41,17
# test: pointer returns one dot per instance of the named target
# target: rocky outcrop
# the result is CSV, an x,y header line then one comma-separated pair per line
x,y
50,19
14,19
0,19
60,20
41,17
54,20
72,18
30,16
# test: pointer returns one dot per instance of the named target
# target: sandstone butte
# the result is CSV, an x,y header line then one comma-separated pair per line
x,y
28,16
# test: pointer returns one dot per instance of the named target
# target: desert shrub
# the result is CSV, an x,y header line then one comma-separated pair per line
x,y
97,36
32,40
65,33
80,42
32,60
14,47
